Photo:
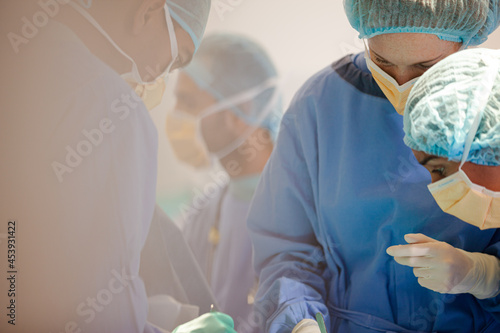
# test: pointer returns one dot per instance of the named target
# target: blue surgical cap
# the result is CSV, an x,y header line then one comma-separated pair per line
x,y
446,99
464,21
192,16
227,65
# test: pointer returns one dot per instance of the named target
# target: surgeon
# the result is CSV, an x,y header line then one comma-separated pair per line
x,y
341,186
227,113
451,121
78,147
452,127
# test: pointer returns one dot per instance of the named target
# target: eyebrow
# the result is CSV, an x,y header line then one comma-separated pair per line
x,y
427,159
418,63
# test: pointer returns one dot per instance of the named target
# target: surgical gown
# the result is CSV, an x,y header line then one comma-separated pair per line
x,y
77,177
339,189
227,263
176,287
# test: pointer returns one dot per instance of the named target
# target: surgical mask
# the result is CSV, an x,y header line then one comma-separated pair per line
x,y
457,194
396,94
151,92
184,129
184,137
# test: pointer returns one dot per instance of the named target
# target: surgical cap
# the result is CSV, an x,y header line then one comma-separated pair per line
x,y
464,21
446,99
192,16
227,65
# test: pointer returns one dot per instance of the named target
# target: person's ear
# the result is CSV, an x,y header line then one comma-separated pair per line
x,y
146,11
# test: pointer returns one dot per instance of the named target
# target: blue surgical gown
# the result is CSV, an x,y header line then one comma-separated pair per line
x,y
339,189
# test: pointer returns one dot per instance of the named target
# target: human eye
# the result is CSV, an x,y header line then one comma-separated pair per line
x,y
424,66
382,61
439,171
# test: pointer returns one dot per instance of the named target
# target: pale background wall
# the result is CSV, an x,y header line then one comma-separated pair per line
x,y
302,37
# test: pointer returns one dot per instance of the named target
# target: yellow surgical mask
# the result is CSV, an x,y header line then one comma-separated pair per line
x,y
183,135
395,93
474,204
151,92
456,194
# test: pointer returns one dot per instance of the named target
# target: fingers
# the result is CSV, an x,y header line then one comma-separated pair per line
x,y
420,262
412,250
436,285
418,238
422,272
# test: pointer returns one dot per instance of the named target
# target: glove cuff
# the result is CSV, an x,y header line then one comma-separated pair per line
x,y
306,326
487,275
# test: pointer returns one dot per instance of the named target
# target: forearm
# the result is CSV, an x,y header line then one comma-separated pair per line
x,y
291,289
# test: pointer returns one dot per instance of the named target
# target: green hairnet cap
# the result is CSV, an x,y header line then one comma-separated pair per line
x,y
192,16
464,21
445,101
229,64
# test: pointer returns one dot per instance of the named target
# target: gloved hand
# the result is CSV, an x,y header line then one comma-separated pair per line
x,y
449,270
306,326
212,322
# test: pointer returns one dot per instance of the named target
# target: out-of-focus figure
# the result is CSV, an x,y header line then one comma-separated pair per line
x,y
341,186
78,146
228,111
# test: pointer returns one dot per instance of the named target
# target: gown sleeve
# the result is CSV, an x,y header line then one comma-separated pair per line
x,y
287,256
492,305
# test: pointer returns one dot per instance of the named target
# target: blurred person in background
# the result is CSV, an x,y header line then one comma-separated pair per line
x,y
228,111
78,146
341,186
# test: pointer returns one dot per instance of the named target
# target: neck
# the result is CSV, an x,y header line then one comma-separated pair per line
x,y
250,158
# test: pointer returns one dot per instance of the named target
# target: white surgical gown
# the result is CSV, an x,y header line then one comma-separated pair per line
x,y
228,263
77,175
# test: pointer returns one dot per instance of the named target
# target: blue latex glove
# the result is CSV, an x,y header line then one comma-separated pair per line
x,y
212,322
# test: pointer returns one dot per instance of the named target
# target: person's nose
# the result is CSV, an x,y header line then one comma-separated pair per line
x,y
403,75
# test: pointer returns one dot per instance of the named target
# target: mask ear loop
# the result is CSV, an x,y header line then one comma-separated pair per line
x,y
483,91
99,28
86,3
174,51
252,127
367,53
135,70
174,46
247,95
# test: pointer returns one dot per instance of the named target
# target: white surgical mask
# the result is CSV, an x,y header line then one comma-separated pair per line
x,y
151,91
